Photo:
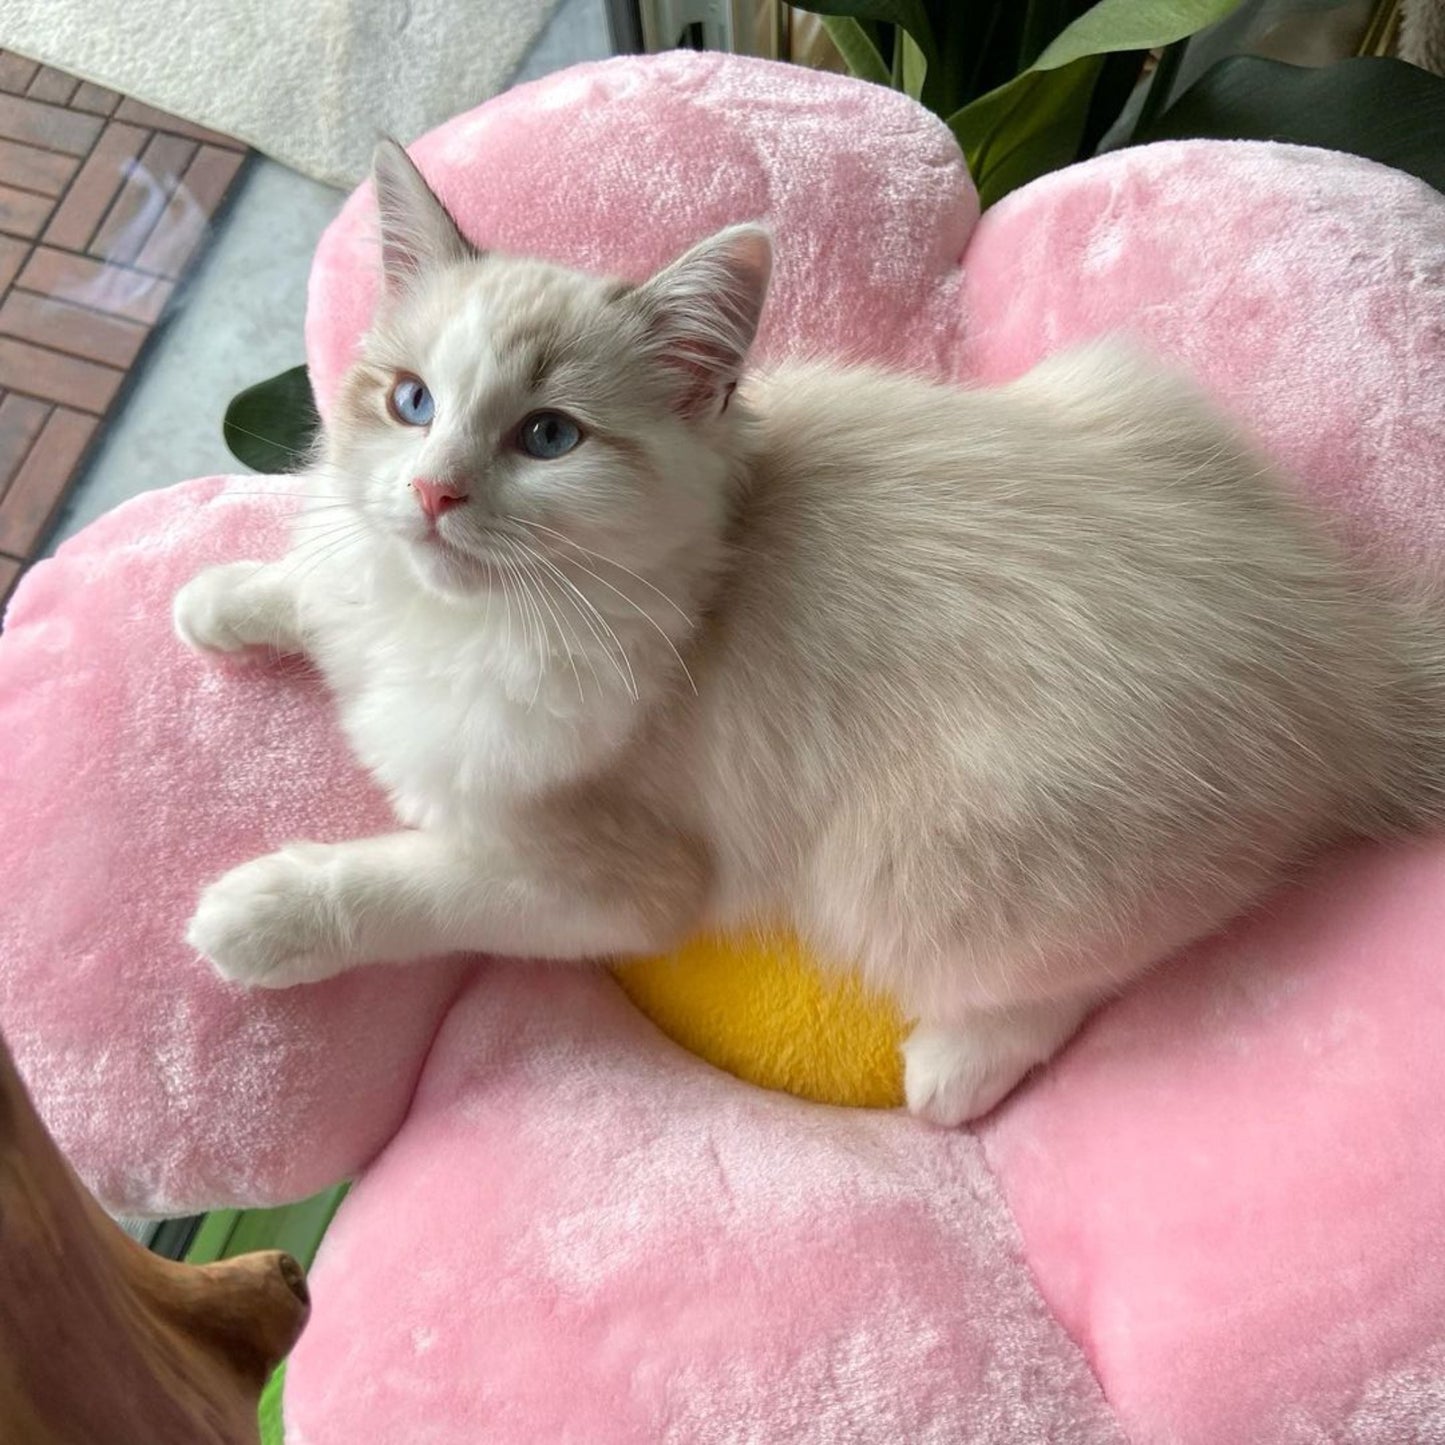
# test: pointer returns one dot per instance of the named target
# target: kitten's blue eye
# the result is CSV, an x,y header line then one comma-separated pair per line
x,y
548,435
410,402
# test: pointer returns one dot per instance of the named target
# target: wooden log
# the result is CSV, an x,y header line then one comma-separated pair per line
x,y
103,1342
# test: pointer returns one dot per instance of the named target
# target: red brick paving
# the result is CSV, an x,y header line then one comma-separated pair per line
x,y
16,73
73,329
117,290
52,85
44,172
135,210
94,98
104,204
21,418
29,500
73,222
13,255
23,213
52,127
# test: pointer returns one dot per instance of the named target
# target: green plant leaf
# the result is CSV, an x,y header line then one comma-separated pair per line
x,y
915,66
270,427
1042,21
1025,128
961,39
1034,122
858,51
908,15
1118,77
1384,110
1131,25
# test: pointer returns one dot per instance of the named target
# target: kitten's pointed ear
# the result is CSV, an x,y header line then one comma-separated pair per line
x,y
417,231
702,313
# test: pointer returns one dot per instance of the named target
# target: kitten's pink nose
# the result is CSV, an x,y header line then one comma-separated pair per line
x,y
437,497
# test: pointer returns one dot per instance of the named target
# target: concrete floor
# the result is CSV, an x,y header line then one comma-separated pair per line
x,y
240,317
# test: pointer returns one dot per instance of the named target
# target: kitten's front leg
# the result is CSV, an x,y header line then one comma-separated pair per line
x,y
239,608
957,1071
273,921
313,910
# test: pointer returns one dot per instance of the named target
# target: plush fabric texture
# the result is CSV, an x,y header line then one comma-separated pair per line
x,y
1217,1217
1232,1187
618,167
625,1245
130,773
1303,288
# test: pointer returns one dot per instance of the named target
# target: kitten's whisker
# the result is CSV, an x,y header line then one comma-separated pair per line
x,y
629,679
507,598
297,573
643,613
545,581
651,587
323,541
270,492
534,616
318,524
269,441
572,661
570,644
314,550
508,577
594,621
331,528
319,470
569,629
331,471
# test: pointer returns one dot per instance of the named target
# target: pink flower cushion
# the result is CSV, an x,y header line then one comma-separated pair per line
x,y
129,776
1216,1218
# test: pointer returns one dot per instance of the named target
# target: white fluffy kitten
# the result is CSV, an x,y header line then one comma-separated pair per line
x,y
996,696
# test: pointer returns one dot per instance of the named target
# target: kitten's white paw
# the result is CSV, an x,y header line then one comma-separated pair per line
x,y
958,1072
270,923
212,613
951,1076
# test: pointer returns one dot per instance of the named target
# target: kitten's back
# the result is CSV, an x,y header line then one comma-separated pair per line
x,y
1073,633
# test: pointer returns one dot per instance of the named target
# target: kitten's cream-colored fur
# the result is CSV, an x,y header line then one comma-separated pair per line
x,y
998,696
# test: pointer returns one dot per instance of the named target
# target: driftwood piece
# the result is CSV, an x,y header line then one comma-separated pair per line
x,y
103,1342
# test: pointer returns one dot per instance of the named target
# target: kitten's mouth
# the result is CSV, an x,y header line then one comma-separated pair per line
x,y
433,539
457,568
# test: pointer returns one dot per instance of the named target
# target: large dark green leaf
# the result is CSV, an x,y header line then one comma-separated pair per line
x,y
991,40
863,57
1382,109
1043,20
969,37
1025,128
271,426
1131,25
908,15
1035,122
1112,91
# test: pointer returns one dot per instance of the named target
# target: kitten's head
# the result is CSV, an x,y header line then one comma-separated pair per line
x,y
505,407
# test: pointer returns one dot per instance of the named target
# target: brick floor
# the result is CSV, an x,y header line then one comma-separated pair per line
x,y
104,205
